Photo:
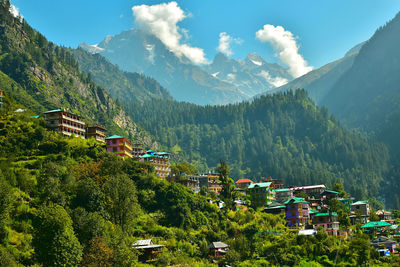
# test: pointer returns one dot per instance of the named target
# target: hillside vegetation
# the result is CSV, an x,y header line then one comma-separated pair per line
x,y
126,86
64,201
43,76
285,136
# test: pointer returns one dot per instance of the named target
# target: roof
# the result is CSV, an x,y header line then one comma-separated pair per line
x,y
244,181
275,205
144,242
325,214
383,212
394,227
332,192
295,200
114,137
218,244
283,190
54,110
360,202
309,187
268,184
313,211
376,224
307,232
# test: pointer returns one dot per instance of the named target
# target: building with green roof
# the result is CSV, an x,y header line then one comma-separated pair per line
x,y
261,194
328,220
160,161
297,212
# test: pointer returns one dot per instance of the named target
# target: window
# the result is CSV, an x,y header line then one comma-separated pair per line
x,y
115,149
114,141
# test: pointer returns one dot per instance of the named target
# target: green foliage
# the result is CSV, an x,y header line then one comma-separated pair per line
x,y
55,242
227,194
126,86
42,76
284,136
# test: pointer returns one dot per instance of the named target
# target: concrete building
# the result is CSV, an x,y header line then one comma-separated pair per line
x,y
261,194
243,184
281,195
297,212
211,181
1,98
360,212
311,190
66,123
119,145
97,132
160,161
328,220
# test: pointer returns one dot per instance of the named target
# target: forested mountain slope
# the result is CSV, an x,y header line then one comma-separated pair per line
x,y
318,83
368,94
126,86
43,76
284,136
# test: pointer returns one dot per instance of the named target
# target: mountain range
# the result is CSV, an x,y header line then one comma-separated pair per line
x,y
223,81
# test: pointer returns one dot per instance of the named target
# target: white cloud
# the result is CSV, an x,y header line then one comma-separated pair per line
x,y
225,41
15,12
284,43
161,20
275,81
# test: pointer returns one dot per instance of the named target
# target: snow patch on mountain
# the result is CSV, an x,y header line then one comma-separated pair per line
x,y
258,63
275,81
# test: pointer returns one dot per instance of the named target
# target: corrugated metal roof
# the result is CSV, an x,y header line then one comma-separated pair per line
x,y
295,200
218,244
360,202
268,184
376,224
325,214
283,190
114,137
244,181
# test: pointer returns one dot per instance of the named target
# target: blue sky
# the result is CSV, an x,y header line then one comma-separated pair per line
x,y
324,30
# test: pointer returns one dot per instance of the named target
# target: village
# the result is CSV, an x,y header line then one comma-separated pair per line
x,y
306,208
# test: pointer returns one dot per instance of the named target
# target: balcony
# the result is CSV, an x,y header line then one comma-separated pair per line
x,y
71,119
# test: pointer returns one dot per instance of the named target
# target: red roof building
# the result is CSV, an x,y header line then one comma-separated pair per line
x,y
243,183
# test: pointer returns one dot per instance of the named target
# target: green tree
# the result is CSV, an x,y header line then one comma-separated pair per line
x,y
122,199
54,241
227,194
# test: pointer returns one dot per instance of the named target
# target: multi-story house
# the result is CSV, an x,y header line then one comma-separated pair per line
x,y
360,212
119,145
281,195
66,123
297,212
261,194
190,181
138,151
243,184
328,220
311,190
1,98
211,181
160,161
97,132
